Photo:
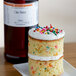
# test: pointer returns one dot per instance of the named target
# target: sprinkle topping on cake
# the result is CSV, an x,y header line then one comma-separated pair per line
x,y
47,30
46,33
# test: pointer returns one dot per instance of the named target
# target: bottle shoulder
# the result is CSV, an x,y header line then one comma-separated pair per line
x,y
20,1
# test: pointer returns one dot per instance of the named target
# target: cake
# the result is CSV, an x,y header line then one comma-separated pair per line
x,y
45,51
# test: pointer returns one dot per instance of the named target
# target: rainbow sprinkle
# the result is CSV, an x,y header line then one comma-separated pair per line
x,y
38,73
45,68
47,30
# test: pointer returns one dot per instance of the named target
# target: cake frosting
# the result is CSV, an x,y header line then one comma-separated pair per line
x,y
43,58
37,34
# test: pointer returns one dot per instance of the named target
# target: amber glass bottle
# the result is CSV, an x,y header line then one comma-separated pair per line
x,y
19,16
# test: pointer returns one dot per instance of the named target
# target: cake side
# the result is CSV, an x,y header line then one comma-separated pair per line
x,y
44,68
46,48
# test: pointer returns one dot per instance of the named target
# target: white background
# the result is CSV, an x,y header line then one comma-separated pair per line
x,y
60,13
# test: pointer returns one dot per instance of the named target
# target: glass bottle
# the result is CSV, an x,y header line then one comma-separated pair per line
x,y
19,16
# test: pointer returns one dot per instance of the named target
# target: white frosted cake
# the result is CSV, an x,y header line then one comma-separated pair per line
x,y
46,51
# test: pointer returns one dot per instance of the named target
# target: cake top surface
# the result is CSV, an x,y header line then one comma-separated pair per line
x,y
46,33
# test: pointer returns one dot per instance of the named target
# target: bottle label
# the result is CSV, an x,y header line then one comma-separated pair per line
x,y
21,15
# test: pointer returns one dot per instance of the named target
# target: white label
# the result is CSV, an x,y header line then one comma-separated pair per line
x,y
21,15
